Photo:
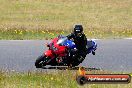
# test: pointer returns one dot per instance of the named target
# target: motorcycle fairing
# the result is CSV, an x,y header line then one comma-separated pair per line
x,y
49,53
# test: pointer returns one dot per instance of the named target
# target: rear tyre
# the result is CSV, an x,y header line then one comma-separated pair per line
x,y
39,63
75,64
77,60
93,52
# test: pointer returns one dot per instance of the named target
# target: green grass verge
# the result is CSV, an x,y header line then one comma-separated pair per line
x,y
28,34
100,18
53,79
61,14
15,34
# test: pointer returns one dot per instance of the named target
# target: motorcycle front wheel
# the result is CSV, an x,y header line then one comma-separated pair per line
x,y
41,61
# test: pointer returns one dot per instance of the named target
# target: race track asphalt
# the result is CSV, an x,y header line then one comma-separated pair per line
x,y
112,54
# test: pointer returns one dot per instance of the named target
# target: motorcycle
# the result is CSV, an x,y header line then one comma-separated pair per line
x,y
59,52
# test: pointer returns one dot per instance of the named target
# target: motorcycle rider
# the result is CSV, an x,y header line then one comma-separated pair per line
x,y
80,41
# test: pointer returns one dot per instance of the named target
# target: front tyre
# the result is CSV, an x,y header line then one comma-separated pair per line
x,y
39,63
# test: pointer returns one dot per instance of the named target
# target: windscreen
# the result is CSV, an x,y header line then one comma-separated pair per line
x,y
61,40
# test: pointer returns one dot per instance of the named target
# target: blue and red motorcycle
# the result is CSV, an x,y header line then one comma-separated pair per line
x,y
58,53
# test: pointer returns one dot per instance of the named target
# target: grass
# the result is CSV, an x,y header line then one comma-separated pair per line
x,y
100,18
23,34
45,19
55,79
29,34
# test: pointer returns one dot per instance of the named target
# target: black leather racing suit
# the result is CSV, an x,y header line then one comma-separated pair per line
x,y
80,43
